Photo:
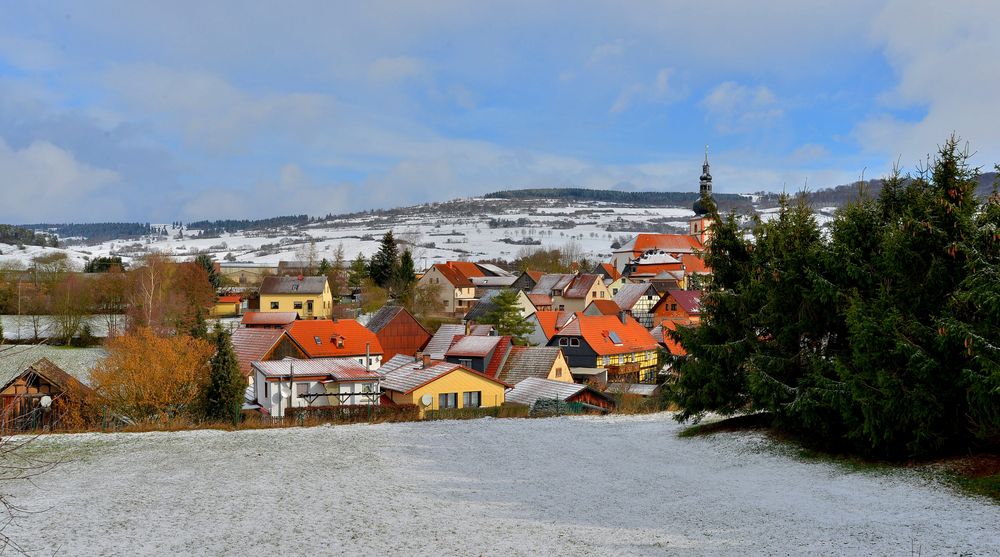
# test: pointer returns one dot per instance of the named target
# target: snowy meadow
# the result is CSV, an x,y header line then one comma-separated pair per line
x,y
560,486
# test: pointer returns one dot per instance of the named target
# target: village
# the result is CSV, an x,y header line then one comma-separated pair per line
x,y
574,342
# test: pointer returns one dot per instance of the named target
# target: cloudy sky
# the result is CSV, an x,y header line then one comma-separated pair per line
x,y
187,110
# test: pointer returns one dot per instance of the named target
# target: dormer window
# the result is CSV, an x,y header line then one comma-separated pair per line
x,y
318,341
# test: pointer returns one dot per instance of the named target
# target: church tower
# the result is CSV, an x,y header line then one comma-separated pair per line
x,y
706,177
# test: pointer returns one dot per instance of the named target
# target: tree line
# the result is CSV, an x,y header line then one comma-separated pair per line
x,y
881,338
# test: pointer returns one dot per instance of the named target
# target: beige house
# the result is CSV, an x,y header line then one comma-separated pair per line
x,y
455,290
309,297
572,293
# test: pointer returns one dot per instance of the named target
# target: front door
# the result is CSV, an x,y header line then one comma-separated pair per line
x,y
309,307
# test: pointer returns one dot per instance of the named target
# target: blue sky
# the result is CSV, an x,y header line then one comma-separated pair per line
x,y
189,110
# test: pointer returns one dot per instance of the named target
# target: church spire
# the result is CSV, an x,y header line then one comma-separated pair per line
x,y
706,176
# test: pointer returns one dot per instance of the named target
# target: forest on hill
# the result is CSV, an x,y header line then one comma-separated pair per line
x,y
725,201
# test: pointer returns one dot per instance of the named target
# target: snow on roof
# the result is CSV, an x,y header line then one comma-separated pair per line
x,y
340,369
475,346
531,389
630,294
442,340
77,362
278,318
640,389
405,378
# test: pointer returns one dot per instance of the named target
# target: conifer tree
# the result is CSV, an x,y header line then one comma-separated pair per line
x,y
205,262
224,391
384,265
358,272
507,319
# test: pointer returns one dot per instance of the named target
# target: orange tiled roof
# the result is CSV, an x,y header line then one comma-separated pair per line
x,y
233,299
611,271
467,269
662,334
328,332
552,321
666,242
655,268
606,307
596,331
453,276
694,264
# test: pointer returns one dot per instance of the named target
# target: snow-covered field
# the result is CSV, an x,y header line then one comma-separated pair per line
x,y
561,486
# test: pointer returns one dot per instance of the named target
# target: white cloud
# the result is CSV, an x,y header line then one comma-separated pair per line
x,y
396,68
607,51
661,90
944,55
42,182
736,108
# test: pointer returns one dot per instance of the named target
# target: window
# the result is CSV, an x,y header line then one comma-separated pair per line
x,y
267,390
318,341
562,307
274,305
296,305
558,372
673,307
472,399
602,293
301,389
309,306
563,341
448,400
465,363
574,342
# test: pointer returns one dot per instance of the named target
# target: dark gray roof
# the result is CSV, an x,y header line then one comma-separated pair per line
x,y
382,318
532,389
292,285
483,307
528,361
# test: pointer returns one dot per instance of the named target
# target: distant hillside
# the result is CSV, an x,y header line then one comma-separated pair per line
x,y
95,232
210,227
24,236
726,201
838,196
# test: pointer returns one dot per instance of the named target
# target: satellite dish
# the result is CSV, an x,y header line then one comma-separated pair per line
x,y
285,391
426,400
46,401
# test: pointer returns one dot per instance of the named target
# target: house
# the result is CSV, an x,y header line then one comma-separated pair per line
x,y
542,362
309,297
313,383
442,340
638,300
244,274
617,343
455,289
607,271
440,385
532,390
546,324
542,302
673,244
485,354
398,331
678,305
39,396
570,292
485,305
268,319
227,306
337,338
602,307
261,345
527,280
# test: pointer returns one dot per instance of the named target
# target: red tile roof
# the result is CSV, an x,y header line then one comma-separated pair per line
x,y
540,300
672,243
662,334
654,268
328,333
252,345
611,271
605,307
688,300
694,264
233,299
269,318
596,331
499,357
467,269
552,321
457,279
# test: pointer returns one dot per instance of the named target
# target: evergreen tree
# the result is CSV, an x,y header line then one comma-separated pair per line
x,y
205,262
224,392
507,319
324,266
200,327
405,278
358,272
384,265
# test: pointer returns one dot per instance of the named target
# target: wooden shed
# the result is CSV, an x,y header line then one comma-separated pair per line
x,y
40,397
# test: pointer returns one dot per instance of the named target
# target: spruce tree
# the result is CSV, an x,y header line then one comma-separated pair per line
x,y
206,263
358,272
384,265
507,319
223,395
405,277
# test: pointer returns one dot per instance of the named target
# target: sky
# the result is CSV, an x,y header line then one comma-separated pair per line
x,y
164,111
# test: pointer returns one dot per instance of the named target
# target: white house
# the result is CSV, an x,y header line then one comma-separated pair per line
x,y
313,383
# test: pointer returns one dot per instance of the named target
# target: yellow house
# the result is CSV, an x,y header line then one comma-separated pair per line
x,y
570,292
227,306
439,385
455,290
310,297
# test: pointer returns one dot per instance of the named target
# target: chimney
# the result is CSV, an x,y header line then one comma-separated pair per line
x,y
426,358
621,316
